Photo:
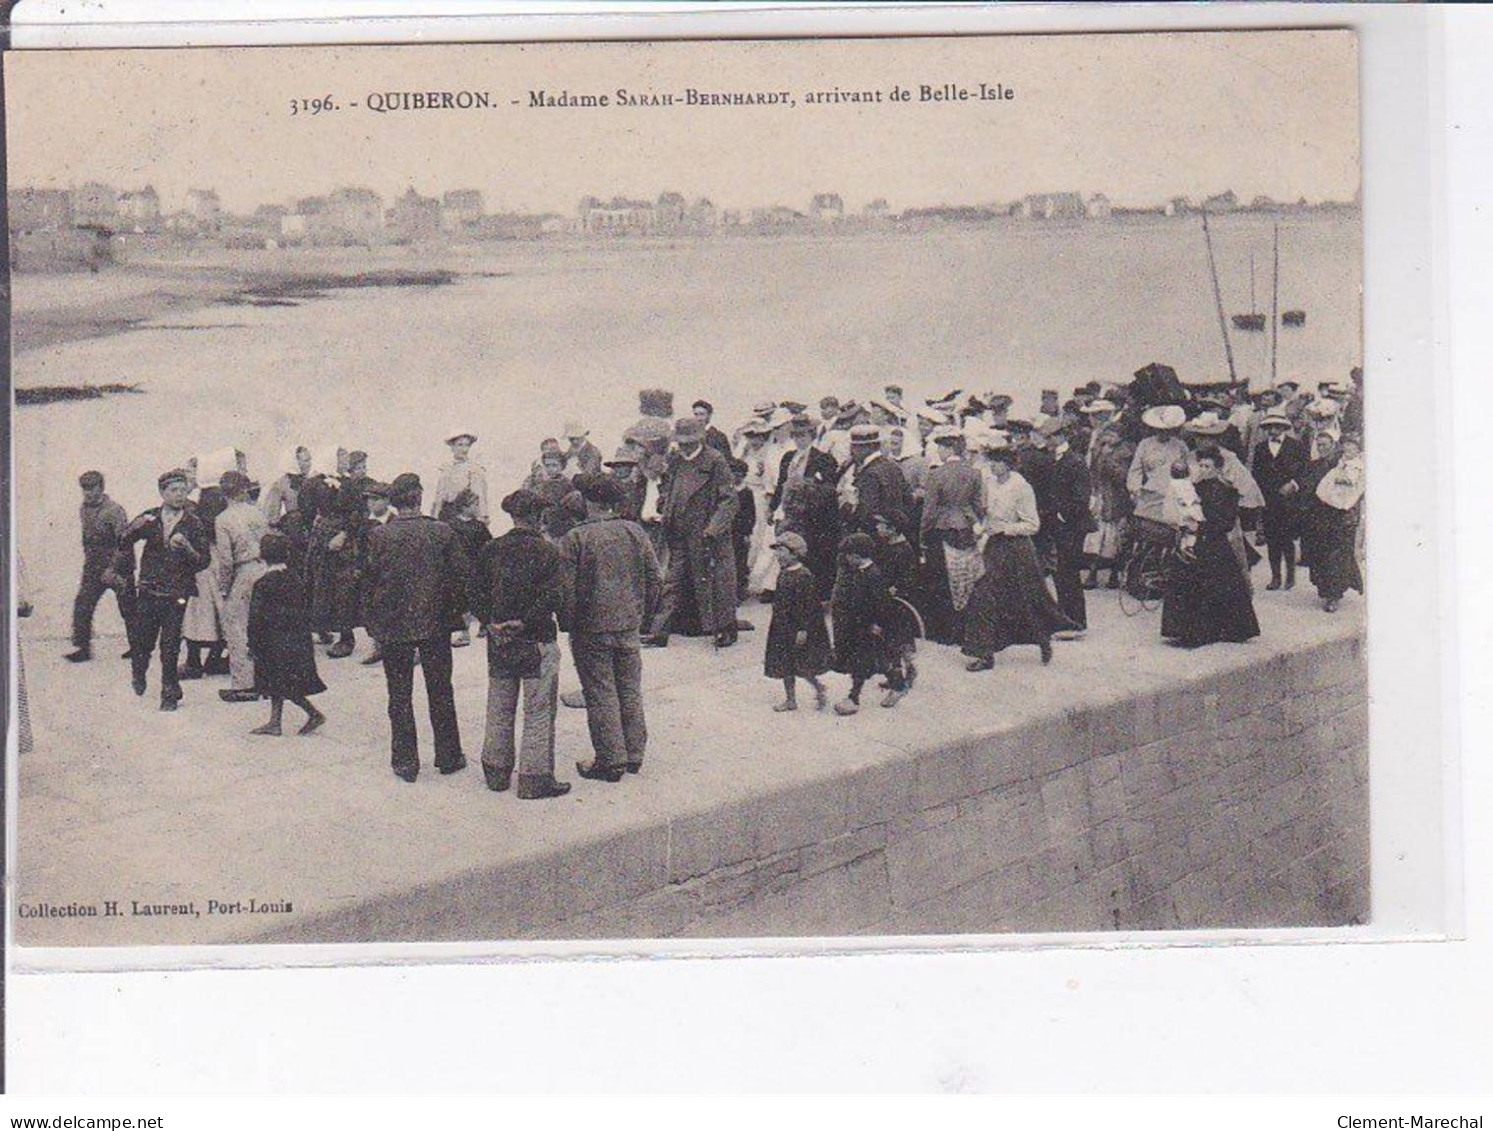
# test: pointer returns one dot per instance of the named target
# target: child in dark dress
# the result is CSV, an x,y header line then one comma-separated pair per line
x,y
859,608
797,641
746,522
280,638
473,534
899,566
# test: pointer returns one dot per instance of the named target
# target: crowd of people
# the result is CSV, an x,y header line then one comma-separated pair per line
x,y
868,528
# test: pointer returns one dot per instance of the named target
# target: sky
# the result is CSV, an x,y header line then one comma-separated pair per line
x,y
1140,118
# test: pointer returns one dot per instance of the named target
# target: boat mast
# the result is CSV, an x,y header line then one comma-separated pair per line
x,y
1253,306
1275,305
1223,326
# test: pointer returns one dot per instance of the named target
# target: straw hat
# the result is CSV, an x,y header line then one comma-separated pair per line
x,y
1207,424
1274,418
1165,417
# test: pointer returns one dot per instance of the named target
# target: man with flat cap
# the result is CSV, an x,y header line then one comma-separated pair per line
x,y
417,580
519,591
103,521
176,546
612,587
238,531
626,470
697,505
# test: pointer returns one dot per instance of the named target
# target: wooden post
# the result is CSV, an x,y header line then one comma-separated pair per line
x,y
1223,325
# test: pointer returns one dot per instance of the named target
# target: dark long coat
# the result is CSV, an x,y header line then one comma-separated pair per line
x,y
1207,599
333,574
280,637
859,611
698,508
881,488
417,579
796,608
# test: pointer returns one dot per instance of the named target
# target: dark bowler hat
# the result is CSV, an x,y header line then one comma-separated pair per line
x,y
795,407
706,405
626,456
688,430
373,489
172,476
524,503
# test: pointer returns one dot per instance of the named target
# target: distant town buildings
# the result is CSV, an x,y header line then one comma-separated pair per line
x,y
81,226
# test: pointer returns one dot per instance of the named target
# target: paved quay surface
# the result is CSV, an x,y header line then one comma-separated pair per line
x,y
120,802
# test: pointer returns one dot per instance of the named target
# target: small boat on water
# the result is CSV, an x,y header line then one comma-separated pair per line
x,y
1293,318
1253,321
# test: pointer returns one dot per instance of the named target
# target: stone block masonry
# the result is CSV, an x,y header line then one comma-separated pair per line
x,y
1234,800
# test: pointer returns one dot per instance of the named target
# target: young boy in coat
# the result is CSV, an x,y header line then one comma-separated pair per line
x,y
898,562
473,534
797,641
859,608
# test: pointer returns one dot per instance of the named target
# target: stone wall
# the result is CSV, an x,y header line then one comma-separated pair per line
x,y
1233,800
1236,801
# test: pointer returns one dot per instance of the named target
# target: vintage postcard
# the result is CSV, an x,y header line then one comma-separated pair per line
x,y
667,490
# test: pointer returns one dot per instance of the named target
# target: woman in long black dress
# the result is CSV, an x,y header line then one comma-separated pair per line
x,y
1333,485
280,639
1207,595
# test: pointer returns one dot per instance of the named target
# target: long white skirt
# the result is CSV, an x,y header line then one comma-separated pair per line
x,y
201,622
762,563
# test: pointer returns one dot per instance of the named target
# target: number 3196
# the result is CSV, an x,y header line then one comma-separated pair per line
x,y
312,105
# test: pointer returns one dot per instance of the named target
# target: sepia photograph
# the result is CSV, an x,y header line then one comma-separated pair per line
x,y
903,487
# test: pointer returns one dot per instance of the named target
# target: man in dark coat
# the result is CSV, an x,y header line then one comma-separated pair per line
x,y
520,589
805,498
714,437
1279,463
877,485
1072,520
103,522
1037,467
612,586
176,547
697,503
418,577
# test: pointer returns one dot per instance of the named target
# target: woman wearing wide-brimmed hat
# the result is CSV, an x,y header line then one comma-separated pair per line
x,y
462,473
1151,466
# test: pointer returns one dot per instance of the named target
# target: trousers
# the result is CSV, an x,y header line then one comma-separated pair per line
x,y
541,698
399,674
234,615
158,619
1067,575
610,665
90,591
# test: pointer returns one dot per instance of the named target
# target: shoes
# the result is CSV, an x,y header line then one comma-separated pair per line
x,y
1091,582
269,729
725,639
1290,584
821,699
1046,649
323,637
539,787
982,664
497,780
78,656
340,650
236,695
1114,580
407,774
172,693
847,707
1273,586
574,699
893,697
376,657
311,725
453,767
656,640
168,704
138,685
745,626
785,705
592,771
461,639
633,767
127,654
190,672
